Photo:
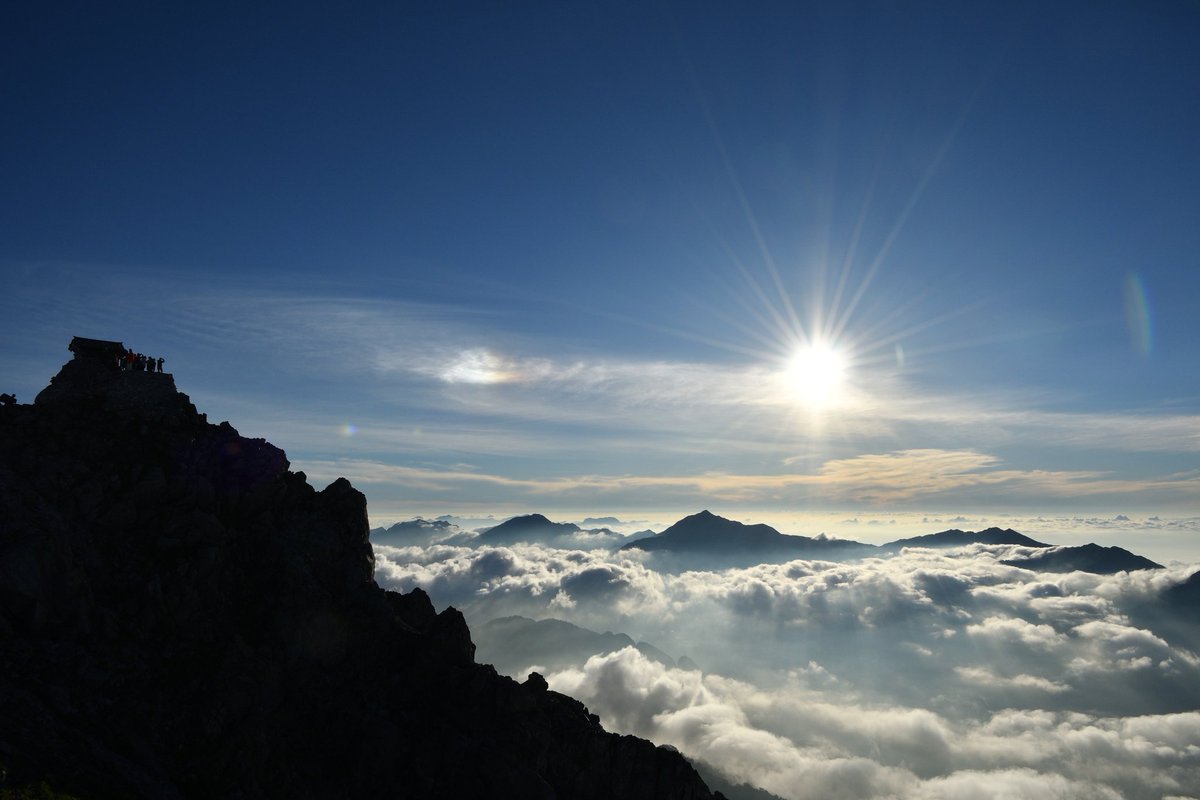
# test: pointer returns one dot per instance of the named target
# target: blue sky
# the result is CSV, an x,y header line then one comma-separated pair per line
x,y
562,257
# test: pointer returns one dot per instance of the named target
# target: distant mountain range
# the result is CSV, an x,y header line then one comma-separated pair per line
x,y
414,532
537,529
957,538
527,529
708,541
1086,558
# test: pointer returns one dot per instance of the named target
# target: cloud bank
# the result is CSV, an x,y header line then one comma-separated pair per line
x,y
931,674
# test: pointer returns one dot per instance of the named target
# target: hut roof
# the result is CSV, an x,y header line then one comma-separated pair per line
x,y
80,345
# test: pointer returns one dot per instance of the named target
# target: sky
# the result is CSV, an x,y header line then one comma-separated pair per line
x,y
814,264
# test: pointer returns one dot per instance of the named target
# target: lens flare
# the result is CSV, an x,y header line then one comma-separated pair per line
x,y
1137,314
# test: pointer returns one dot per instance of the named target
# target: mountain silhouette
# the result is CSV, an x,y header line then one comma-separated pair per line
x,y
1184,597
1085,558
537,529
957,538
413,532
183,616
706,538
529,528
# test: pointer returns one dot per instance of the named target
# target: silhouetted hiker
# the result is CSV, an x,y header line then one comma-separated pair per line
x,y
129,360
160,363
7,399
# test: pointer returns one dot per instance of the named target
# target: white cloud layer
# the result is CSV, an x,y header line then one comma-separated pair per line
x,y
932,674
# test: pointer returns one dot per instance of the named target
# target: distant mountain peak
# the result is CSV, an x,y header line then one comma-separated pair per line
x,y
1089,557
959,538
527,528
705,534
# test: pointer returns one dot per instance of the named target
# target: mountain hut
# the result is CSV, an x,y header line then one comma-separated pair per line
x,y
98,349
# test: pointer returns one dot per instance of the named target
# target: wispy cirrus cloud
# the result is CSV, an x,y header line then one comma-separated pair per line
x,y
467,362
888,478
354,384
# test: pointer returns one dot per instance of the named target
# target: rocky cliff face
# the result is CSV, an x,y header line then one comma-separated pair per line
x,y
182,616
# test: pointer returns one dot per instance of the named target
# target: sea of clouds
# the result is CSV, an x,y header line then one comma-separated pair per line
x,y
928,674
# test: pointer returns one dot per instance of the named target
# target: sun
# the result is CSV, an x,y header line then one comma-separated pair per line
x,y
816,374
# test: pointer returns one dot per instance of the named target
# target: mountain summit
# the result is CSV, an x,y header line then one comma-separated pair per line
x,y
957,538
726,542
708,532
182,616
529,528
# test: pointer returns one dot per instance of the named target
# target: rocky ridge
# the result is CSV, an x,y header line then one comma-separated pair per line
x,y
183,616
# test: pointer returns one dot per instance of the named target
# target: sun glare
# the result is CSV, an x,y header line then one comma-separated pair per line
x,y
816,374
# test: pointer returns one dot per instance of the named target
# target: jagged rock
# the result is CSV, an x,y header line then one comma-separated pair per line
x,y
513,643
536,682
182,616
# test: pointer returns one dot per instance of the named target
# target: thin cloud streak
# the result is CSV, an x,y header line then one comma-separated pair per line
x,y
417,342
899,477
414,378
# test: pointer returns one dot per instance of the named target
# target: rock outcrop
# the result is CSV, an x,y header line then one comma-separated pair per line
x,y
182,616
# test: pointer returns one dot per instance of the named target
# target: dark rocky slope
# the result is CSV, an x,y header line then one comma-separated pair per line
x,y
1184,597
513,643
182,616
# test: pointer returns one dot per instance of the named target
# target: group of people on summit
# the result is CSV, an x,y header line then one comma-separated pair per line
x,y
130,361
